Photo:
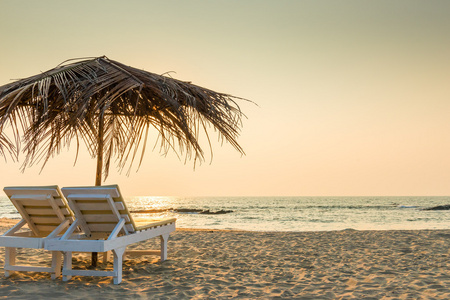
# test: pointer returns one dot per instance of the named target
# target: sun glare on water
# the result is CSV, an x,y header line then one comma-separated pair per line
x,y
144,208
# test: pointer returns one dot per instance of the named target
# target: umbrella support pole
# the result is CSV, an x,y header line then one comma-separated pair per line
x,y
94,259
98,175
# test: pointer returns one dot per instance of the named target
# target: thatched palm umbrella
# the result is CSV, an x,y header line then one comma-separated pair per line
x,y
110,106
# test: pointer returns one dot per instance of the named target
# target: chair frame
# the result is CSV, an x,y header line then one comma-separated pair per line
x,y
36,205
116,240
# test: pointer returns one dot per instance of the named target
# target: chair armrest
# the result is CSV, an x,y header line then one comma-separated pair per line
x,y
117,229
69,231
58,229
15,228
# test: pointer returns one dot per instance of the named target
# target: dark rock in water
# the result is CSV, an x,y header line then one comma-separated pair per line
x,y
219,212
184,210
188,210
439,207
202,211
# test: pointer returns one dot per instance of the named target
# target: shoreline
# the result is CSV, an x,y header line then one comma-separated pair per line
x,y
5,222
217,264
8,222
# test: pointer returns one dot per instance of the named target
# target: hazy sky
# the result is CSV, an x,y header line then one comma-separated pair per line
x,y
354,96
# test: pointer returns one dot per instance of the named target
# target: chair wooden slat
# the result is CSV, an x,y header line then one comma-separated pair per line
x,y
104,218
38,200
105,227
47,211
46,229
32,190
46,220
98,206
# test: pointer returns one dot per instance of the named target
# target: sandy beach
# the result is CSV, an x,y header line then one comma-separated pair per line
x,y
211,264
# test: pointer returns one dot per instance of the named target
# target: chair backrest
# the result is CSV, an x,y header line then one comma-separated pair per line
x,y
98,209
43,207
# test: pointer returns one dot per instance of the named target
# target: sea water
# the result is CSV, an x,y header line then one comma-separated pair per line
x,y
290,213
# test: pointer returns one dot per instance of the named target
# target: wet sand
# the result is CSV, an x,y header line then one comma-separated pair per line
x,y
214,264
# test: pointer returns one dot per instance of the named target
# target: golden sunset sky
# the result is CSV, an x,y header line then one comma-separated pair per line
x,y
353,96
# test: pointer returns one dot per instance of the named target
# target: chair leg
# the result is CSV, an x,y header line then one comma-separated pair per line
x,y
105,256
67,265
164,239
56,264
10,260
118,260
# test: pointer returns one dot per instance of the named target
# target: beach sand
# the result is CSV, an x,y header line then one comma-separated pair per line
x,y
214,264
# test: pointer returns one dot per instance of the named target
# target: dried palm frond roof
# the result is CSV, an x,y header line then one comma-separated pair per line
x,y
111,106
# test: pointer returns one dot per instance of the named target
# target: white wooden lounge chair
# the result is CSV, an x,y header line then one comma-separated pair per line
x,y
102,215
45,211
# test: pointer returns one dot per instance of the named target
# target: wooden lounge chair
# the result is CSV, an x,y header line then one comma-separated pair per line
x,y
44,209
102,215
